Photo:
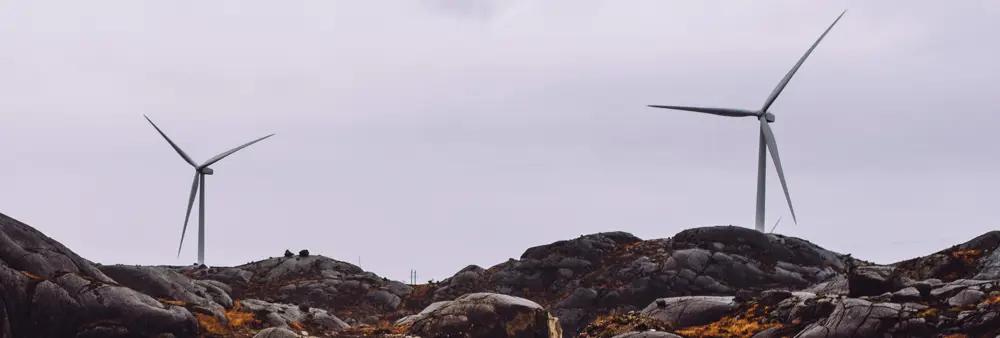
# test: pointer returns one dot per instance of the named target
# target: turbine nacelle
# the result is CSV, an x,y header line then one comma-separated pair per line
x,y
768,117
206,171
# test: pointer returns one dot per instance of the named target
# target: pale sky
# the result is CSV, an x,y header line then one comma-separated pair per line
x,y
431,135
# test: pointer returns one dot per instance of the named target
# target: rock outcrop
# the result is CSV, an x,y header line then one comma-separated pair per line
x,y
46,290
705,282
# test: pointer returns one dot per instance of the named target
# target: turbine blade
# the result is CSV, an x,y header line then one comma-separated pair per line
x,y
713,111
775,225
187,217
788,77
172,144
221,156
772,147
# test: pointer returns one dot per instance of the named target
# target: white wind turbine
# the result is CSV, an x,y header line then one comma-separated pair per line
x,y
200,170
767,142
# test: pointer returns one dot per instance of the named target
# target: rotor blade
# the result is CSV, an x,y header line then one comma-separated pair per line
x,y
775,225
172,144
219,157
788,77
713,111
772,148
194,191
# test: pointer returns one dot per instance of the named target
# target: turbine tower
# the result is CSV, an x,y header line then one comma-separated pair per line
x,y
767,142
200,170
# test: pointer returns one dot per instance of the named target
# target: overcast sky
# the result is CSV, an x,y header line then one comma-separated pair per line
x,y
431,135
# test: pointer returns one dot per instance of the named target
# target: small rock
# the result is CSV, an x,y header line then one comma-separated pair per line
x,y
966,297
276,332
288,254
873,281
910,294
384,299
772,297
304,253
885,297
370,320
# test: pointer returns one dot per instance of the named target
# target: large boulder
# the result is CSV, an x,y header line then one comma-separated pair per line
x,y
46,290
691,310
487,315
276,332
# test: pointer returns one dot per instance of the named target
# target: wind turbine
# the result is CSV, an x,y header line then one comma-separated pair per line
x,y
200,170
767,142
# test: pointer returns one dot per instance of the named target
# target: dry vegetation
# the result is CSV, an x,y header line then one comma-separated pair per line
x,y
616,324
967,256
171,302
993,300
745,324
239,321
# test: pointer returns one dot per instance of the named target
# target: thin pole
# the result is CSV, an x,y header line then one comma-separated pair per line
x,y
201,223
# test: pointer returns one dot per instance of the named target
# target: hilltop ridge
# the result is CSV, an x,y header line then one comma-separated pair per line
x,y
720,281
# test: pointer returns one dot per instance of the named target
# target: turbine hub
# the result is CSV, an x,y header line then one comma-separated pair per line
x,y
206,171
769,117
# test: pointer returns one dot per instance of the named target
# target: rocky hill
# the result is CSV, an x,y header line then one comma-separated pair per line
x,y
705,282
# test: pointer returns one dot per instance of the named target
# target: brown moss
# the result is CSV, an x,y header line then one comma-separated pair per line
x,y
745,324
993,300
615,324
238,320
967,256
928,313
419,297
29,275
521,322
171,302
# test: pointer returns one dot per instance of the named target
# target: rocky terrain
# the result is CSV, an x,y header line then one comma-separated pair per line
x,y
705,282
